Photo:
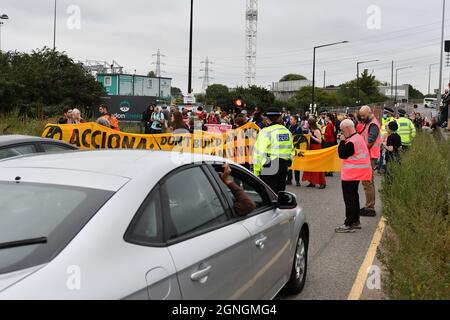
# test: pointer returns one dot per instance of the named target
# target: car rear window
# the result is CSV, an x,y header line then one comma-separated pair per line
x,y
31,210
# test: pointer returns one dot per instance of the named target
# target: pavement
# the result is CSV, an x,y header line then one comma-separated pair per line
x,y
334,259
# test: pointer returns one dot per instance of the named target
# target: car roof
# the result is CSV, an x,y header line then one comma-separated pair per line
x,y
130,164
16,138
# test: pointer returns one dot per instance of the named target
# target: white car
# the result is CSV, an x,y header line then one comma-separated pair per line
x,y
143,225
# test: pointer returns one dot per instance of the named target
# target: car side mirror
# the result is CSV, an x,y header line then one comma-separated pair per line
x,y
286,200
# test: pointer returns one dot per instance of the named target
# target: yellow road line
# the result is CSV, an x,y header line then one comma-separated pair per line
x,y
360,281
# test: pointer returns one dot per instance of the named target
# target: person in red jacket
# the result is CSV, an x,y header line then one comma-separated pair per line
x,y
329,137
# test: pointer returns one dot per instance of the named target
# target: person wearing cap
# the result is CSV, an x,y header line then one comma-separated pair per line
x,y
273,152
388,116
406,129
356,167
392,145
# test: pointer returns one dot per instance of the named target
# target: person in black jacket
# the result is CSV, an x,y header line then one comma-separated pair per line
x,y
147,118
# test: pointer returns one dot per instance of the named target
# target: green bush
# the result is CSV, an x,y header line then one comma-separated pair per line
x,y
416,248
16,123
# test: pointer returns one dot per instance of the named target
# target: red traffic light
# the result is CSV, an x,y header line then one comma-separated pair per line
x,y
238,103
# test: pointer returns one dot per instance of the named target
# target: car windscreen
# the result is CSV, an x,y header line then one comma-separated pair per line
x,y
54,213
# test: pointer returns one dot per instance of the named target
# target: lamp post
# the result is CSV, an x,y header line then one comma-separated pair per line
x,y
54,27
396,80
2,17
190,49
429,76
314,70
441,55
357,77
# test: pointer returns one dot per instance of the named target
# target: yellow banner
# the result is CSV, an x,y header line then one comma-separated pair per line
x,y
236,145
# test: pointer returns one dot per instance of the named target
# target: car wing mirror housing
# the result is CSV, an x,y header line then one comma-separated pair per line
x,y
286,200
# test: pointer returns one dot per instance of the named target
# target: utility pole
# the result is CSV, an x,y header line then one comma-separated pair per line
x,y
324,78
206,77
441,55
190,49
54,28
392,81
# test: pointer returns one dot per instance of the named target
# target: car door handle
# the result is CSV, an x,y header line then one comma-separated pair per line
x,y
261,242
201,274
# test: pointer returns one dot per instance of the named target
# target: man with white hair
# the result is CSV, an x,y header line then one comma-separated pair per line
x,y
371,134
356,167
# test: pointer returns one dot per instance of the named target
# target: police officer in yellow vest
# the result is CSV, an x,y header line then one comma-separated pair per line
x,y
274,152
388,116
406,129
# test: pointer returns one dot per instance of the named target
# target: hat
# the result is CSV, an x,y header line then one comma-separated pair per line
x,y
273,112
324,112
389,111
244,112
393,126
401,112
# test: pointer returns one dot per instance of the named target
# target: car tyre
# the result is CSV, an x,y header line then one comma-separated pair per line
x,y
300,266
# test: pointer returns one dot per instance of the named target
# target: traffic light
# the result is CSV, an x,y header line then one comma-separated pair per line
x,y
238,103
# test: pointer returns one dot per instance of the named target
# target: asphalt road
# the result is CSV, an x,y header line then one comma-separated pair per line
x,y
334,259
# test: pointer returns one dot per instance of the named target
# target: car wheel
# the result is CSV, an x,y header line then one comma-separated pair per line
x,y
298,274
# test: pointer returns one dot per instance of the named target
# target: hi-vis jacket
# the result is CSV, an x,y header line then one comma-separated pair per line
x,y
358,167
273,142
406,131
384,123
376,148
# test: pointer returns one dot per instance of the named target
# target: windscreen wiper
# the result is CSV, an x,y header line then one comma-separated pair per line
x,y
23,243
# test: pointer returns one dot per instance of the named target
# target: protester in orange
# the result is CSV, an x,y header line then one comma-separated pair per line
x,y
103,109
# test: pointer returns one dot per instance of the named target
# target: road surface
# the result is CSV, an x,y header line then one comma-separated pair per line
x,y
334,259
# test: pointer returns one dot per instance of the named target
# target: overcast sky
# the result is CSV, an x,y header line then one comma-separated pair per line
x,y
131,31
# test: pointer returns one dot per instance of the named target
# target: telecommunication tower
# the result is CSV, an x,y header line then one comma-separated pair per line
x,y
251,30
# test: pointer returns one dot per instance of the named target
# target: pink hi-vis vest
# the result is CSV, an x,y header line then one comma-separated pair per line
x,y
358,167
375,150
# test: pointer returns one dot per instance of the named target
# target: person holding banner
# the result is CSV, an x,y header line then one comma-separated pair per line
x,y
315,178
296,130
356,167
273,152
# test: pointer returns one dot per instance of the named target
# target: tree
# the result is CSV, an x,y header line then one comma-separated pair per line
x,y
45,78
151,74
292,77
176,92
368,90
254,96
414,93
219,95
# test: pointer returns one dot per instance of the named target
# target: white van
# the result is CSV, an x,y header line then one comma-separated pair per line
x,y
430,103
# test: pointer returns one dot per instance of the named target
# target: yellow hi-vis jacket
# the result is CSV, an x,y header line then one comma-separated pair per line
x,y
272,142
384,123
406,131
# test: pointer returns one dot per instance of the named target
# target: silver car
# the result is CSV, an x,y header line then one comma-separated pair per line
x,y
143,225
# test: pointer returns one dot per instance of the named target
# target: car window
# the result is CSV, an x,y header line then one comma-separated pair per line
x,y
31,210
193,205
252,187
15,151
50,147
146,227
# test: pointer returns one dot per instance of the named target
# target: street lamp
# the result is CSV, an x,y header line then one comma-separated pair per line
x,y
429,77
190,49
2,17
357,76
314,69
54,28
396,80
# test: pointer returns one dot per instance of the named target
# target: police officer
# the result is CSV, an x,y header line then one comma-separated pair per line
x,y
406,129
274,152
388,116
